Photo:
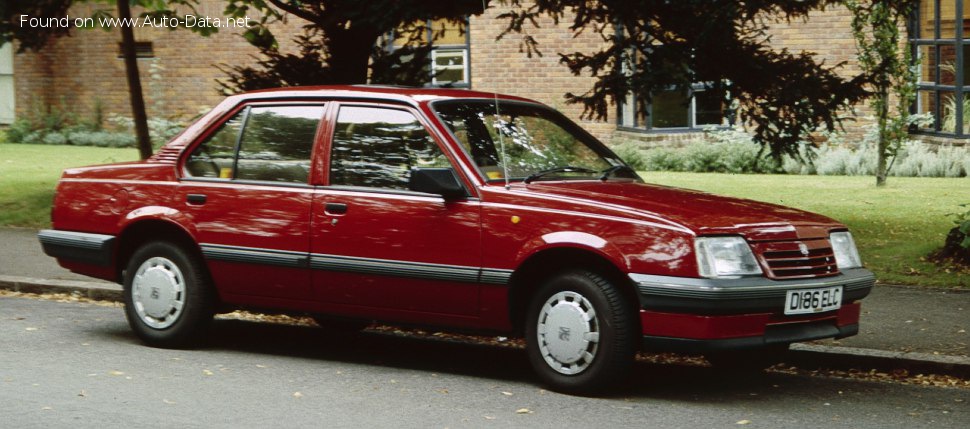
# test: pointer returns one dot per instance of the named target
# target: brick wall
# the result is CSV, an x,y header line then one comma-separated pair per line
x,y
501,66
178,82
181,78
828,34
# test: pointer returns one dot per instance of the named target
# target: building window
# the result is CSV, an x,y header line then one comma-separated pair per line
x,y
449,65
937,35
674,110
6,84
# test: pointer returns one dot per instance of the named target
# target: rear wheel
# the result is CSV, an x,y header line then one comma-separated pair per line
x,y
581,333
168,299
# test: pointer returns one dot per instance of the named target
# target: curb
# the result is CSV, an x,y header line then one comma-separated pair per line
x,y
801,355
845,358
92,290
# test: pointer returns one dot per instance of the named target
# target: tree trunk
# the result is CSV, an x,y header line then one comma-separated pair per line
x,y
882,148
134,81
350,52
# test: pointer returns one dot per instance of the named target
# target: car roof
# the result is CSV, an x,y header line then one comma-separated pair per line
x,y
411,95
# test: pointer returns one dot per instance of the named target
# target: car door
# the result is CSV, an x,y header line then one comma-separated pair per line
x,y
375,244
246,190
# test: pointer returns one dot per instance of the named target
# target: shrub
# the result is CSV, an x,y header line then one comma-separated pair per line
x,y
54,138
101,138
633,156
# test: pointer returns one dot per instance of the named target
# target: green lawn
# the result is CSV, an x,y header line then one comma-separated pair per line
x,y
28,174
895,227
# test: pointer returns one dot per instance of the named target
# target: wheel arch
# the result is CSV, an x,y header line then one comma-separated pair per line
x,y
530,274
140,232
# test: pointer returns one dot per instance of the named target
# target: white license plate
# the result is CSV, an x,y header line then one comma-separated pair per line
x,y
805,301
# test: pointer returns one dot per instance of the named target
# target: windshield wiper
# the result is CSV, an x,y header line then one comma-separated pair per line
x,y
616,169
564,169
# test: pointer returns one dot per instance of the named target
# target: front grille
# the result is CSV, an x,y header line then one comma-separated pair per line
x,y
798,259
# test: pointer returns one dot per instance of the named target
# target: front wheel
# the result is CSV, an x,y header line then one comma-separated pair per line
x,y
168,299
580,332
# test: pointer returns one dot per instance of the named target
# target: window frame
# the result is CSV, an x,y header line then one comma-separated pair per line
x,y
245,109
326,158
959,89
466,55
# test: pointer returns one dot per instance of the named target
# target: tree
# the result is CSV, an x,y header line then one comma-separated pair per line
x,y
654,45
341,41
36,37
889,66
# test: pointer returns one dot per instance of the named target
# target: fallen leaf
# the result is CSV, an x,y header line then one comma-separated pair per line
x,y
31,329
507,393
489,417
297,395
168,402
82,393
523,411
260,366
206,372
116,373
744,422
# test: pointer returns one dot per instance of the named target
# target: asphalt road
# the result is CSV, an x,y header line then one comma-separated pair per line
x,y
77,365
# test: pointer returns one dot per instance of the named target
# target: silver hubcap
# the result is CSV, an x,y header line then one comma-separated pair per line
x,y
158,292
568,333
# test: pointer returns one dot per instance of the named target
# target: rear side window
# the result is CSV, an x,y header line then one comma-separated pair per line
x,y
275,145
377,148
216,156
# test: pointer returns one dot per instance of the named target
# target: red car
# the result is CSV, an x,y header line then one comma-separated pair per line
x,y
454,209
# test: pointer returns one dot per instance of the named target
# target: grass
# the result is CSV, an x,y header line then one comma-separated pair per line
x,y
895,227
28,174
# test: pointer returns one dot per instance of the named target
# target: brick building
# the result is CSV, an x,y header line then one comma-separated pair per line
x,y
179,70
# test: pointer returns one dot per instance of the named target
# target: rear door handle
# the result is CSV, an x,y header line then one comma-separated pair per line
x,y
195,199
335,208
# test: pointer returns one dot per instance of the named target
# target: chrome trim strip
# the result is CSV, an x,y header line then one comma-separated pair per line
x,y
746,288
495,276
386,267
351,264
280,258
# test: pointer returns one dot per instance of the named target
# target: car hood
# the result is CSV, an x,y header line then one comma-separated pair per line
x,y
701,212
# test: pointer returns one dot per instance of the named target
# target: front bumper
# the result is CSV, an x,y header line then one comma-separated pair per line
x,y
698,315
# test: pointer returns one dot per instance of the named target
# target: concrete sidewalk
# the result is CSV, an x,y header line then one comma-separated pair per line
x,y
906,327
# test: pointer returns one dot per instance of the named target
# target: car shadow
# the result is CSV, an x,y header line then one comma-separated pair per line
x,y
669,381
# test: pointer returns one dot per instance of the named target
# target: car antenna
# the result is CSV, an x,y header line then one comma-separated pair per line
x,y
501,140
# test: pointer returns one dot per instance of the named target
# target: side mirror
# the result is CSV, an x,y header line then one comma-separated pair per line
x,y
440,181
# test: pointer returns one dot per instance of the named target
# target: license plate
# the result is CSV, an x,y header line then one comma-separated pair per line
x,y
806,301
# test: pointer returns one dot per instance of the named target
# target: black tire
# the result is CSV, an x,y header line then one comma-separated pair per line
x,y
168,299
560,351
748,360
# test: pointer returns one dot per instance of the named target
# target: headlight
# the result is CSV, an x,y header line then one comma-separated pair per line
x,y
725,257
846,255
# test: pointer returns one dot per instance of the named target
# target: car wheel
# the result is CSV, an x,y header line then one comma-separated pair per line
x,y
168,299
581,333
748,360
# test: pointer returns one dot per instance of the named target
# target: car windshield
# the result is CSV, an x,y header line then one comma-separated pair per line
x,y
526,141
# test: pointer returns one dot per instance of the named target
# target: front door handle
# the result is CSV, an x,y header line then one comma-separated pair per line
x,y
335,208
195,199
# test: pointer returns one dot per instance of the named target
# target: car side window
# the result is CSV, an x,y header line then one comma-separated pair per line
x,y
216,156
377,148
277,143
